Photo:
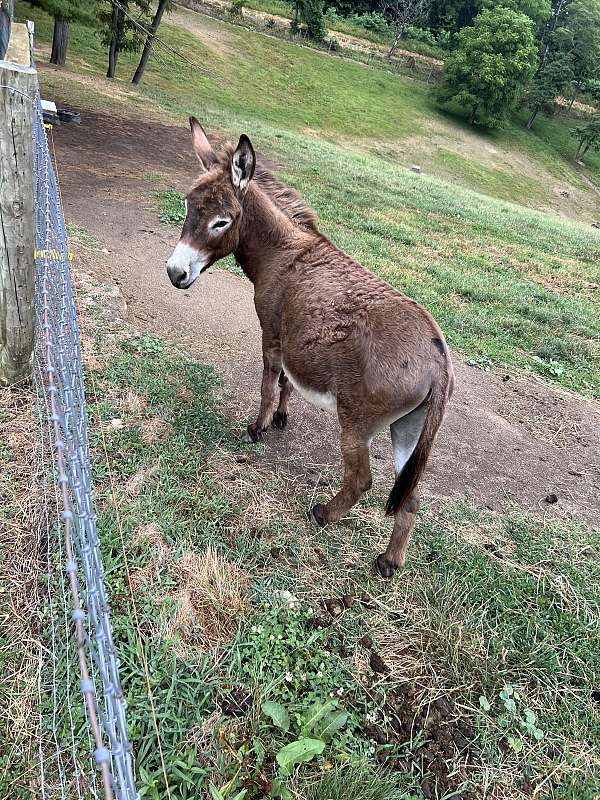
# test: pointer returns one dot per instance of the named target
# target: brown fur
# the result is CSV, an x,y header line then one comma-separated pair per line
x,y
336,329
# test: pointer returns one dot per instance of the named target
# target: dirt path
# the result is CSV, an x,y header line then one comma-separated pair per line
x,y
505,440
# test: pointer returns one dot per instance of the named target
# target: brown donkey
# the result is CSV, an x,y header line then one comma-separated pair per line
x,y
337,333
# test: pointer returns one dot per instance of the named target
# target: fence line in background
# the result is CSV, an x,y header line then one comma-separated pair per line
x,y
76,578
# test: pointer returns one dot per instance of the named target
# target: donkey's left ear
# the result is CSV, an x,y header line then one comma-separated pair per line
x,y
243,163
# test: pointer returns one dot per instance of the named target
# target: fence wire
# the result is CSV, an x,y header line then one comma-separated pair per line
x,y
85,751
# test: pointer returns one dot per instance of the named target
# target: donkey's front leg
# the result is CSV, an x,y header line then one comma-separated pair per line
x,y
268,389
357,479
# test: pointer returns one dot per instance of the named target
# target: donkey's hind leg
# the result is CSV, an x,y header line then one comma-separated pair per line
x,y
357,479
405,435
395,555
280,417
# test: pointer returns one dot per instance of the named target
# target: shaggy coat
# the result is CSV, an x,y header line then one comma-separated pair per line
x,y
345,339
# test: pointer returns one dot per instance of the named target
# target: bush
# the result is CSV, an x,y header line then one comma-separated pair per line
x,y
420,35
371,22
334,44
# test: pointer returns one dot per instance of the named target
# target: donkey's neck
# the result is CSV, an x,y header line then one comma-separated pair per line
x,y
269,240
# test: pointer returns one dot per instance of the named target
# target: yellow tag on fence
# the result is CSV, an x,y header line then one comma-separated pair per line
x,y
53,254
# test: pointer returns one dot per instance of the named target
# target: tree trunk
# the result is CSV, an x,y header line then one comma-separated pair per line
x,y
473,115
60,42
6,15
397,36
578,154
532,117
162,4
117,23
575,93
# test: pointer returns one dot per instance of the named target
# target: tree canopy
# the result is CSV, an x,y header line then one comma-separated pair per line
x,y
488,72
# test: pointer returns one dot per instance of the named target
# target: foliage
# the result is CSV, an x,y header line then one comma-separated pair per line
x,y
82,11
537,10
123,29
420,35
588,136
310,13
488,72
583,24
546,85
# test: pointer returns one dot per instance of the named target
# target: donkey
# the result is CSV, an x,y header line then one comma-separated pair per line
x,y
345,339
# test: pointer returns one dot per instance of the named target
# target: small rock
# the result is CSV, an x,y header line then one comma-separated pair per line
x,y
241,459
416,168
116,424
505,378
377,664
551,498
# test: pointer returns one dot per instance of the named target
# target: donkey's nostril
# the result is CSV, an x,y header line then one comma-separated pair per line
x,y
178,275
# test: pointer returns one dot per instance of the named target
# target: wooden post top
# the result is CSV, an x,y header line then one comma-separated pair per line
x,y
18,54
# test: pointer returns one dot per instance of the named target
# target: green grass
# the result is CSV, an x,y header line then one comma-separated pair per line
x,y
497,614
507,285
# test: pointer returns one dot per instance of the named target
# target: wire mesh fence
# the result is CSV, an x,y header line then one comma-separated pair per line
x,y
84,748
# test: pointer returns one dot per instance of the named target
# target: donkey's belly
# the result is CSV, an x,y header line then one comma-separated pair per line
x,y
325,400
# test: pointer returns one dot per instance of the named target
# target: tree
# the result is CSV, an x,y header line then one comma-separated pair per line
x,y
401,14
542,92
488,72
125,23
587,136
64,12
163,5
583,24
310,12
537,10
452,15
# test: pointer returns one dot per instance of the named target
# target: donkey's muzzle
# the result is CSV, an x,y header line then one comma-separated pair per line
x,y
178,275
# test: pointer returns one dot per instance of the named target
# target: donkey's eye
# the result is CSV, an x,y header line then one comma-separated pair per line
x,y
220,223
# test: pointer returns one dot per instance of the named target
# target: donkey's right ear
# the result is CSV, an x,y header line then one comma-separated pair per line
x,y
202,147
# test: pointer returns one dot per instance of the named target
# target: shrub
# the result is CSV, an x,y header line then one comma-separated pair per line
x,y
371,22
420,35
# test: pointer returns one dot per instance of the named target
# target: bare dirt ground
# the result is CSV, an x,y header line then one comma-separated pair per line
x,y
508,439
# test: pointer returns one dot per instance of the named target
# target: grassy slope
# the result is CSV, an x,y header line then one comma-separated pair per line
x,y
507,285
464,622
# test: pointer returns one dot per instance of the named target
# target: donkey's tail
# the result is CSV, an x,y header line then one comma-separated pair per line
x,y
410,475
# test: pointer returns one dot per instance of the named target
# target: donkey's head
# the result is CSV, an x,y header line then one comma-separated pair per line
x,y
213,208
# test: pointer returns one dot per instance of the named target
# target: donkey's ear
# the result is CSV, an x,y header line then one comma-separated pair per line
x,y
243,163
202,147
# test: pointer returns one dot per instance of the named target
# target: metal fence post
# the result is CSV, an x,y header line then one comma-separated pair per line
x,y
18,83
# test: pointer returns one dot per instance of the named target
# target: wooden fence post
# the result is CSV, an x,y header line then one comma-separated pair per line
x,y
18,82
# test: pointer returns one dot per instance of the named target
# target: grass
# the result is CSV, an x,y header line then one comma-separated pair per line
x,y
508,285
490,634
21,554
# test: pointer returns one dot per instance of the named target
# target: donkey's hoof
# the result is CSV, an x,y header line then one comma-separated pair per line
x,y
384,567
252,435
279,420
317,515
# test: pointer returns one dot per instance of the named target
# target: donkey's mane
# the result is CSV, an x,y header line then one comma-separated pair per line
x,y
286,199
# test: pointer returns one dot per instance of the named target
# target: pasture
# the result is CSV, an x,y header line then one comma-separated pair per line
x,y
474,673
